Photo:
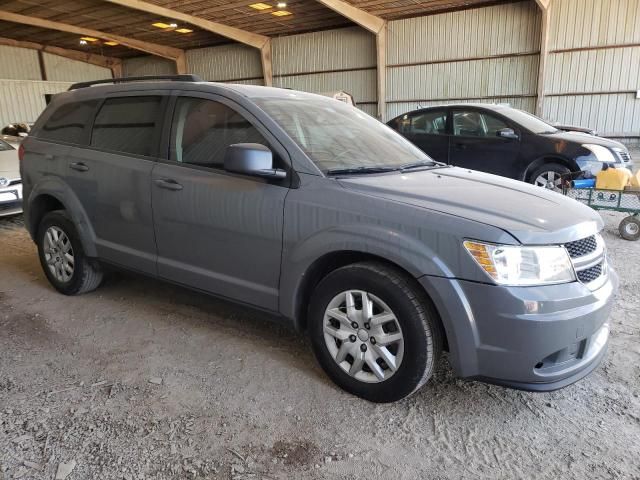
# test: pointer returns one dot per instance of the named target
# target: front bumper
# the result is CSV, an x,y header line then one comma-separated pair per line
x,y
11,199
530,338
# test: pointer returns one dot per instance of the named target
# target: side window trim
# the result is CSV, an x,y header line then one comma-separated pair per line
x,y
159,129
274,143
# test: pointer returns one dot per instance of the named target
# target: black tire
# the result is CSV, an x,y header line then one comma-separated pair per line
x,y
555,168
87,273
630,228
415,314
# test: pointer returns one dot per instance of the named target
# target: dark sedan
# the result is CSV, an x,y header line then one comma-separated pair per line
x,y
505,141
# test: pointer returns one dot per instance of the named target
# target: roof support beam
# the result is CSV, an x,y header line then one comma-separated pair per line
x,y
261,42
377,26
115,64
171,53
545,7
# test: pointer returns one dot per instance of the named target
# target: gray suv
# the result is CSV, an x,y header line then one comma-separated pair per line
x,y
308,208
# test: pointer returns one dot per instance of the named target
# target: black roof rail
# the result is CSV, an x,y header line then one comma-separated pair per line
x,y
173,78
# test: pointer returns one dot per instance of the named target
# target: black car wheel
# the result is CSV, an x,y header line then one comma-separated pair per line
x,y
549,176
374,332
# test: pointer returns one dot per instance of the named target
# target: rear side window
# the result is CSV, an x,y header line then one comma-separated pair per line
x,y
128,125
69,122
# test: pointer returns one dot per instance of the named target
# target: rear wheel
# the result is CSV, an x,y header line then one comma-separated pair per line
x,y
549,176
62,257
630,228
374,332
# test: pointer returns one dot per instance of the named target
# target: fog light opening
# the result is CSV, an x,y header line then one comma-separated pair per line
x,y
539,365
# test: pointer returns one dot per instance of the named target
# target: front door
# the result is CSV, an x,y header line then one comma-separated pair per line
x,y
476,144
217,231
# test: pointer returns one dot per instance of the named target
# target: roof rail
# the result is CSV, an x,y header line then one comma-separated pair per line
x,y
173,78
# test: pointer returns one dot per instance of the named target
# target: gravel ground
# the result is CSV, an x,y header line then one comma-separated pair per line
x,y
142,380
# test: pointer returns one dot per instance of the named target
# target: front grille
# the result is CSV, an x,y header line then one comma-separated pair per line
x,y
583,247
590,274
623,155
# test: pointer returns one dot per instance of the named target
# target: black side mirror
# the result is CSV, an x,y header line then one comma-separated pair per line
x,y
508,133
251,159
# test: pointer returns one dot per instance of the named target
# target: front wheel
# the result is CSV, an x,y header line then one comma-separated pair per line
x,y
62,257
549,176
374,332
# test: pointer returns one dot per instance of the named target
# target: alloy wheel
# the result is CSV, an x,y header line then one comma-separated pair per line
x,y
550,180
363,336
58,254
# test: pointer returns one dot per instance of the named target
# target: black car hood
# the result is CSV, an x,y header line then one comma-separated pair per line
x,y
582,138
531,214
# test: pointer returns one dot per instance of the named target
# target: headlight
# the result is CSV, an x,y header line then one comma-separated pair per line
x,y
523,266
602,154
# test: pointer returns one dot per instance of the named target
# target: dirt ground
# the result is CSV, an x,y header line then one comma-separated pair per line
x,y
142,380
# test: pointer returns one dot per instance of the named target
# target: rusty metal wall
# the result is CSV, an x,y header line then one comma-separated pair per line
x,y
593,73
147,65
481,54
24,100
224,63
328,61
19,63
61,69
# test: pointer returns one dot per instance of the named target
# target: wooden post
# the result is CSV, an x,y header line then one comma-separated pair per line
x,y
265,58
545,7
381,70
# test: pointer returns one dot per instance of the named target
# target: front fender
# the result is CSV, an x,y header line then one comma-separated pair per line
x,y
407,252
55,187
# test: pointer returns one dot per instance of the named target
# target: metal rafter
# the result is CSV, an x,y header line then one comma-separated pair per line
x,y
261,42
171,53
377,26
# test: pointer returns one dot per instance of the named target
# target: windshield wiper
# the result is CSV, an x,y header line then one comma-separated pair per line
x,y
421,164
360,170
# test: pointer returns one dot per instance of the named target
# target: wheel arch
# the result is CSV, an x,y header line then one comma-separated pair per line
x,y
332,261
52,194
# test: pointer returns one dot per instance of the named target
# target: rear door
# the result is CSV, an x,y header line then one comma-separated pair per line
x,y
427,129
112,176
217,231
476,144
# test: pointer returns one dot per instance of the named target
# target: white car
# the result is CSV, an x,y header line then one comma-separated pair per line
x,y
10,182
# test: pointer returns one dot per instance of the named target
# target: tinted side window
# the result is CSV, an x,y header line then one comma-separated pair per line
x,y
476,124
128,124
433,123
68,122
4,146
202,130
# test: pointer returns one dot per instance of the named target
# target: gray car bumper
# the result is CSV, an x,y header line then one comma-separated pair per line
x,y
531,338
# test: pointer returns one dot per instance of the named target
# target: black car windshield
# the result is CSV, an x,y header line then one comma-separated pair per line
x,y
338,137
528,121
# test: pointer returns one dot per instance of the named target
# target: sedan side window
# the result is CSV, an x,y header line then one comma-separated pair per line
x,y
203,129
476,124
431,123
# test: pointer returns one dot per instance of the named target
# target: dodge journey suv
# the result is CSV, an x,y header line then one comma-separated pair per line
x,y
309,208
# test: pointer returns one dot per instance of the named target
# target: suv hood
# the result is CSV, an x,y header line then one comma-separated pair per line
x,y
530,214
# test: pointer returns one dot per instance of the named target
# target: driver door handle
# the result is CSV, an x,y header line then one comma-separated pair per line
x,y
168,184
79,166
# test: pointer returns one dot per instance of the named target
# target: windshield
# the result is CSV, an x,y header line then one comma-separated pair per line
x,y
529,121
337,136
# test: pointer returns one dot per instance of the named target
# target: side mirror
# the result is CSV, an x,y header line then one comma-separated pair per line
x,y
508,133
251,159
